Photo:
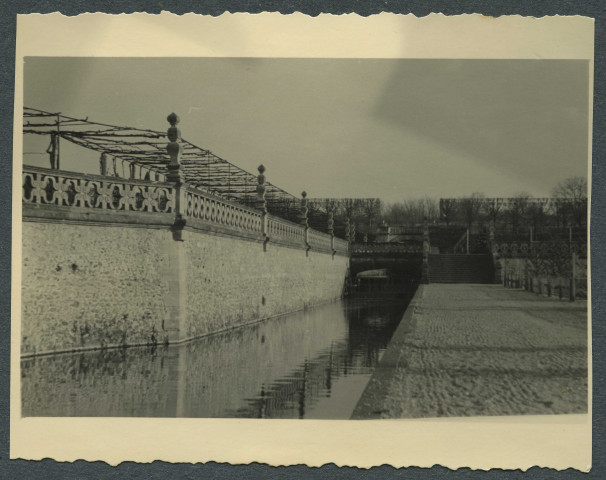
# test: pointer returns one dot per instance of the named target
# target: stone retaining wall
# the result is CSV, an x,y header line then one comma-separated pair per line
x,y
111,262
95,286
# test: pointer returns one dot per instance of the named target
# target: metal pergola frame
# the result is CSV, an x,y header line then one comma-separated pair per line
x,y
147,150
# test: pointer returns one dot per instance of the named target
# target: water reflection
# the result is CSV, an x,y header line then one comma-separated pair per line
x,y
312,364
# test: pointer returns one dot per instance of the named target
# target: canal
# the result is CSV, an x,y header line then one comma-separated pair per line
x,y
309,364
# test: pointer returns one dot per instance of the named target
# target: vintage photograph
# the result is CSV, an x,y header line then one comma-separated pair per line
x,y
304,238
293,240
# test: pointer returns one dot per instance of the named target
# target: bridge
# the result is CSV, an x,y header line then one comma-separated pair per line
x,y
401,263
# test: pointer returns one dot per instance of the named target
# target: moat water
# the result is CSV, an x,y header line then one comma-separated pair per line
x,y
310,364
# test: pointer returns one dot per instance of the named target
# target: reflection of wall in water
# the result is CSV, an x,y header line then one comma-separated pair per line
x,y
205,378
371,325
292,396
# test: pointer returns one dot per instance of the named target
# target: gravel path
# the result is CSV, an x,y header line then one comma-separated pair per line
x,y
471,350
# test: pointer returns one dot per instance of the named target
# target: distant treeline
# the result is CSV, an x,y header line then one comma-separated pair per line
x,y
566,208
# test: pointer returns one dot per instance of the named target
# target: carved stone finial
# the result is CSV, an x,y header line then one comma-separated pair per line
x,y
261,202
304,210
174,149
173,119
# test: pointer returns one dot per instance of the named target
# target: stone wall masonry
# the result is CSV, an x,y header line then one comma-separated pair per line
x,y
91,286
231,282
104,285
110,262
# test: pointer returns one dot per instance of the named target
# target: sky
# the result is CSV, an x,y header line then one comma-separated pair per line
x,y
388,128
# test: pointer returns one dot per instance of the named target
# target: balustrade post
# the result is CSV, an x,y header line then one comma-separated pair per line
x,y
303,220
494,252
573,274
174,150
347,236
261,204
103,164
426,247
175,174
53,149
570,239
331,231
176,265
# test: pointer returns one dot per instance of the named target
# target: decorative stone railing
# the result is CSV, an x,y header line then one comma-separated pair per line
x,y
209,208
341,246
281,230
63,195
543,249
70,189
319,241
387,248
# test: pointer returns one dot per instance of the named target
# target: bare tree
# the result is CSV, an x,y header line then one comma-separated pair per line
x,y
371,209
573,187
393,213
517,210
430,208
537,212
448,210
571,202
411,211
493,208
471,207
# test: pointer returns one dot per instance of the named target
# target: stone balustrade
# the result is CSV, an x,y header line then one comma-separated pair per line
x,y
209,208
319,241
544,249
283,231
70,189
387,248
341,247
63,195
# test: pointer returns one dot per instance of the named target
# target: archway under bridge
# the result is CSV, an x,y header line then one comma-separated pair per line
x,y
386,263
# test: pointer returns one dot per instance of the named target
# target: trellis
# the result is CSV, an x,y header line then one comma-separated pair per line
x,y
146,149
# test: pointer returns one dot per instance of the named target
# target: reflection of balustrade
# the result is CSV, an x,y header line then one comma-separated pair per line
x,y
62,188
208,208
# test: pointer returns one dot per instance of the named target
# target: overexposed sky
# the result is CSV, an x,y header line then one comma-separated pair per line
x,y
389,128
